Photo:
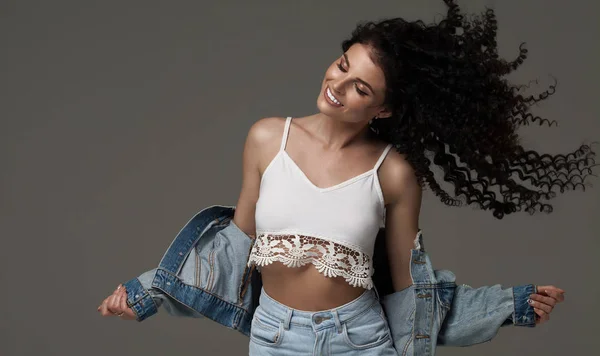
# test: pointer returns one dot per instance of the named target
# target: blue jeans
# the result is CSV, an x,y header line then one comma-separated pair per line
x,y
358,327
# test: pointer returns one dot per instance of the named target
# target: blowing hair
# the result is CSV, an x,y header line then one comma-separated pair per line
x,y
452,105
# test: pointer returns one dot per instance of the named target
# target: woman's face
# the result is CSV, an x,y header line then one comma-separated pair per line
x,y
358,86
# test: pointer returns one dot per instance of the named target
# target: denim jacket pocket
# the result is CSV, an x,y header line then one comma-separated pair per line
x,y
204,253
227,261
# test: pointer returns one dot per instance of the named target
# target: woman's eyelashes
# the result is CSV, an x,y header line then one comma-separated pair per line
x,y
360,92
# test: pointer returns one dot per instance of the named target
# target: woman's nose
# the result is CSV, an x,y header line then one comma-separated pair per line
x,y
337,86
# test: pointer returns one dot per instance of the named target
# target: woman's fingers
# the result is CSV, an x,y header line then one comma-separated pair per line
x,y
104,308
115,300
542,316
113,304
123,307
543,300
540,302
550,287
556,294
123,301
128,313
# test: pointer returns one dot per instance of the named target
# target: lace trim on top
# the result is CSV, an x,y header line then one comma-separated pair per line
x,y
330,258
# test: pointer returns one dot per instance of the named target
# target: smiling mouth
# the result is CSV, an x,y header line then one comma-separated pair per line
x,y
332,100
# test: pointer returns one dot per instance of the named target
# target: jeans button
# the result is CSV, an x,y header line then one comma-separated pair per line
x,y
318,319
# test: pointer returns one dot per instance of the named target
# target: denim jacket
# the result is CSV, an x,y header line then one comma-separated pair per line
x,y
204,273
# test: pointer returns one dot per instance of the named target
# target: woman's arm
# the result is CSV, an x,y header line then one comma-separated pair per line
x,y
476,314
402,195
262,144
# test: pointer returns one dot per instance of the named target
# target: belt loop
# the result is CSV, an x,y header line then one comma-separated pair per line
x,y
288,319
336,319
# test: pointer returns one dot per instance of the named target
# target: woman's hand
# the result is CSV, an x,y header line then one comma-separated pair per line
x,y
544,300
116,305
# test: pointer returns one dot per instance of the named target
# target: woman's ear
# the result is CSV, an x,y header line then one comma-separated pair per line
x,y
384,114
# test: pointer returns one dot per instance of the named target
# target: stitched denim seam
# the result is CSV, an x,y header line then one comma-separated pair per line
x,y
280,334
404,352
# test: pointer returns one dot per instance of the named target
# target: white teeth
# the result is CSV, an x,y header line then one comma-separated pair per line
x,y
330,95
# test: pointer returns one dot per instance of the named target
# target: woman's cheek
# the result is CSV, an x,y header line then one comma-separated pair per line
x,y
359,106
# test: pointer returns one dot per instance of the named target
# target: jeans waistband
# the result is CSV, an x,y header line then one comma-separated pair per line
x,y
317,319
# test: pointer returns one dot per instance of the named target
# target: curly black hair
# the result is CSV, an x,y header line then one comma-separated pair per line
x,y
450,102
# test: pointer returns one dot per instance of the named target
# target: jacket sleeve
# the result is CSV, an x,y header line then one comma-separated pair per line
x,y
476,314
144,299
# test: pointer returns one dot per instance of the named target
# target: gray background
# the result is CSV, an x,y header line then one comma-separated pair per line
x,y
120,120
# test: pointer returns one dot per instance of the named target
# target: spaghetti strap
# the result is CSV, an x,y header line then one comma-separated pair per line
x,y
382,157
286,130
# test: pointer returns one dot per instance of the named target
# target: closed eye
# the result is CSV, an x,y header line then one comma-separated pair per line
x,y
360,92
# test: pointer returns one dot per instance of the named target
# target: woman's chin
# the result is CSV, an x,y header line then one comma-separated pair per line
x,y
326,108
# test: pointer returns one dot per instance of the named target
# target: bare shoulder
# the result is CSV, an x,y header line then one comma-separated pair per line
x,y
265,137
397,178
262,143
266,129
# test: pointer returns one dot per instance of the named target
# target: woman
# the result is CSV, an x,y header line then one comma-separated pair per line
x,y
316,189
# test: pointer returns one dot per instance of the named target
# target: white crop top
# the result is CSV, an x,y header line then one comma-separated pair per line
x,y
333,228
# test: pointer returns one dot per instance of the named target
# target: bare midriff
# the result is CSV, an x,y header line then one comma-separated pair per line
x,y
305,288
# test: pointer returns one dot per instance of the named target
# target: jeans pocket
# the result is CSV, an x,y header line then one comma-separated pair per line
x,y
367,329
265,330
